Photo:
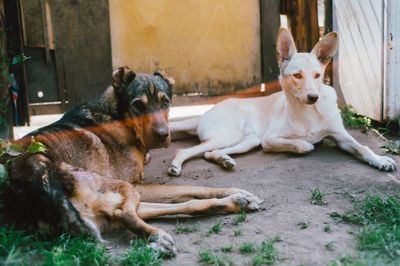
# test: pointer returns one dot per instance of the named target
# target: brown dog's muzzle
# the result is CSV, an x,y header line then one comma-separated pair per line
x,y
160,129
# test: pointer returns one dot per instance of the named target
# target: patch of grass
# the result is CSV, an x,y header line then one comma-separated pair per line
x,y
20,248
317,197
227,249
237,232
352,120
266,254
185,228
240,218
69,250
303,224
379,236
327,228
215,229
247,248
11,238
208,257
140,254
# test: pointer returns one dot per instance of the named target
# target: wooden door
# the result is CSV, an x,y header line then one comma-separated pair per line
x,y
82,49
361,56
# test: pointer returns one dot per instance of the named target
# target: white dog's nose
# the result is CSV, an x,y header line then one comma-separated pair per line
x,y
312,98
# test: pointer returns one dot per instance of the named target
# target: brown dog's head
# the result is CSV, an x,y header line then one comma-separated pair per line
x,y
144,100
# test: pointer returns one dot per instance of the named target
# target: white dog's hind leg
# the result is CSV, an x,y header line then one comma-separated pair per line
x,y
286,145
184,154
347,143
222,158
189,124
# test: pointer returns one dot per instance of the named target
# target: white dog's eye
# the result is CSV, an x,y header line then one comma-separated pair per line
x,y
298,75
317,75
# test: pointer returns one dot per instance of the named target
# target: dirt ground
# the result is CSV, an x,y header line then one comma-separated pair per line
x,y
284,181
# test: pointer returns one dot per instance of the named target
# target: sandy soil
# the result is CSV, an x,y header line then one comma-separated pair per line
x,y
284,181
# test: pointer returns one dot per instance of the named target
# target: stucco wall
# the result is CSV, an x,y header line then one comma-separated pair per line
x,y
207,46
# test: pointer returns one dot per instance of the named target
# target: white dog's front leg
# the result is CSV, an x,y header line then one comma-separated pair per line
x,y
286,145
347,143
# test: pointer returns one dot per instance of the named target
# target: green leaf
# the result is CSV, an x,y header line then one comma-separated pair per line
x,y
19,59
36,147
14,150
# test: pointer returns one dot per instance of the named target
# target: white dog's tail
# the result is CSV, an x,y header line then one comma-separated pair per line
x,y
188,125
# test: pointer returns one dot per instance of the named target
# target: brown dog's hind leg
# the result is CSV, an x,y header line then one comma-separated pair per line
x,y
231,204
126,214
175,194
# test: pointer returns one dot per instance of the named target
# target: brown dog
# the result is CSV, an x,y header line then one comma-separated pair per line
x,y
89,180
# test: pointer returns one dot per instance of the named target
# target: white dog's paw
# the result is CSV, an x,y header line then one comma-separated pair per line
x,y
302,146
147,158
246,201
226,162
384,163
163,242
174,170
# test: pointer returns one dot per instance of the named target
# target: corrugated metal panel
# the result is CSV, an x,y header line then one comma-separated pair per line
x,y
360,24
392,92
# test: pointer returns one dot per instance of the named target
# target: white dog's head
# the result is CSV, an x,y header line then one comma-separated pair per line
x,y
302,73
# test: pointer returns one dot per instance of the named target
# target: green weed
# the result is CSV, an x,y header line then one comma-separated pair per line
x,y
227,249
247,248
353,120
303,224
237,232
185,228
208,257
330,246
140,254
215,229
317,197
327,228
266,254
392,147
240,218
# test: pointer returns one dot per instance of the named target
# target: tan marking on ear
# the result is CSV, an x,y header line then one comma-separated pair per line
x,y
144,99
151,88
161,96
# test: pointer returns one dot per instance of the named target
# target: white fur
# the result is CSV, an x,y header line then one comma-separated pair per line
x,y
283,122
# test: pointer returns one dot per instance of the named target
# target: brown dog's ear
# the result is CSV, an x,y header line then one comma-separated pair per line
x,y
326,48
161,72
285,47
122,77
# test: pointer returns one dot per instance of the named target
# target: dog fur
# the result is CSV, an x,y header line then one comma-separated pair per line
x,y
293,120
90,178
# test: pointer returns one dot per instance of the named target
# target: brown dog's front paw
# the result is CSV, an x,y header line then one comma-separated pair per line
x,y
247,201
122,76
163,242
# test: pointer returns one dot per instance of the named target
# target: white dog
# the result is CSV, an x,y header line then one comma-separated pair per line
x,y
293,120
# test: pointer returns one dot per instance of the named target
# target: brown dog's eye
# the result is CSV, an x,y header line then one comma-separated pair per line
x,y
139,105
298,76
165,105
317,75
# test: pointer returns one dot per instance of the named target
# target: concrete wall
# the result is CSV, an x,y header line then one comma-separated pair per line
x,y
208,46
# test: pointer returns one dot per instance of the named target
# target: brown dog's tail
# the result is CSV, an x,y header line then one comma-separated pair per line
x,y
187,125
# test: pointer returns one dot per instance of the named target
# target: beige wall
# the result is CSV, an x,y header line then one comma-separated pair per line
x,y
202,44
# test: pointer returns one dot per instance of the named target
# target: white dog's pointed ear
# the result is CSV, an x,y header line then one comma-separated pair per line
x,y
285,47
326,48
